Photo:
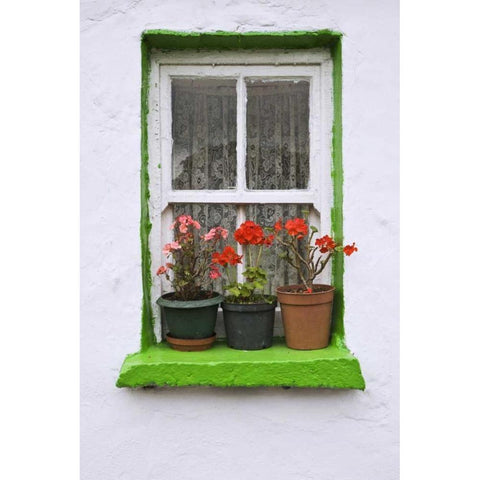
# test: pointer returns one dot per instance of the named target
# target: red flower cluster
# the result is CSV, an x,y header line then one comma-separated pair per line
x,y
349,249
228,256
250,233
268,241
325,243
296,227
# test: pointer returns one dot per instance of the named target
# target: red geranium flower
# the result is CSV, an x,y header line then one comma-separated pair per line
x,y
278,225
230,256
227,256
325,243
296,227
249,233
349,249
268,240
218,258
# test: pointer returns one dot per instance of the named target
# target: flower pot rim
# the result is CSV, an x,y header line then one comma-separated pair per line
x,y
216,299
281,291
260,306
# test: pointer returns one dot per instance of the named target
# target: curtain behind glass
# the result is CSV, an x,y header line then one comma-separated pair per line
x,y
204,132
277,135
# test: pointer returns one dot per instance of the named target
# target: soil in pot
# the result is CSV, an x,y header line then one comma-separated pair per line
x,y
249,326
306,316
194,319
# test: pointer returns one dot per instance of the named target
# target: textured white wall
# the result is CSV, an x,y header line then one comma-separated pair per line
x,y
201,433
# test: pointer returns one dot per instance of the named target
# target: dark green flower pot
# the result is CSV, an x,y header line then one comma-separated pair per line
x,y
249,327
192,319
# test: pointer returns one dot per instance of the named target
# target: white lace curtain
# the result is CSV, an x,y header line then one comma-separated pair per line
x,y
277,135
204,131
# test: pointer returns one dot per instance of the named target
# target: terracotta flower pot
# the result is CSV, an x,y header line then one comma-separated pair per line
x,y
190,320
191,344
306,316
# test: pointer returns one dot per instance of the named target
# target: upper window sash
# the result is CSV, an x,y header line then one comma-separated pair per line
x,y
319,132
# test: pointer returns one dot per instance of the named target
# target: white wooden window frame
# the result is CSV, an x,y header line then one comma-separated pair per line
x,y
314,66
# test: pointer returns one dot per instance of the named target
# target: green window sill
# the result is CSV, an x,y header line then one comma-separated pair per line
x,y
221,366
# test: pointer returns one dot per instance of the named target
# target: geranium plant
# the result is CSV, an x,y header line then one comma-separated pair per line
x,y
307,255
254,239
190,270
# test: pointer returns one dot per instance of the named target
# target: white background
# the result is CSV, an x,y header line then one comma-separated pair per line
x,y
269,433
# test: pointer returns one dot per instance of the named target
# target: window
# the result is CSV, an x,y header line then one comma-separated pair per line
x,y
248,137
235,126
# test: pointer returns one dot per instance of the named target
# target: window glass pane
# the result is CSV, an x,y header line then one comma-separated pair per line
x,y
277,134
209,214
204,132
279,272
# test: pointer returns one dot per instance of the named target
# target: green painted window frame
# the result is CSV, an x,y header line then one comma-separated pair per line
x,y
155,364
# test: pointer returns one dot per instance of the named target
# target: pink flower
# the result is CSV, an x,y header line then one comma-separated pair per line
x,y
161,270
171,246
214,272
185,221
210,235
215,233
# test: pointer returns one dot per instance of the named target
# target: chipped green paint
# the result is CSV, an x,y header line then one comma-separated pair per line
x,y
221,366
338,329
170,40
148,335
157,364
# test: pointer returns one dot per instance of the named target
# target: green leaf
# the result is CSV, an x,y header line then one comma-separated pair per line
x,y
234,291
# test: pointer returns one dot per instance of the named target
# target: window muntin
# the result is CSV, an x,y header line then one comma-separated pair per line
x,y
244,70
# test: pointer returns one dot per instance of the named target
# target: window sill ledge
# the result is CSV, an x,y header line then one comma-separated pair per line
x,y
221,366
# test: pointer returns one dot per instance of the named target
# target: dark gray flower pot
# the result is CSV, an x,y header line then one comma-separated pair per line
x,y
190,319
249,327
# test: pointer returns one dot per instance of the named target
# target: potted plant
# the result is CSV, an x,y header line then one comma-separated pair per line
x,y
248,313
307,307
190,310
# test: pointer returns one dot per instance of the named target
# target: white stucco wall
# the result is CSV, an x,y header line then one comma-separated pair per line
x,y
206,433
